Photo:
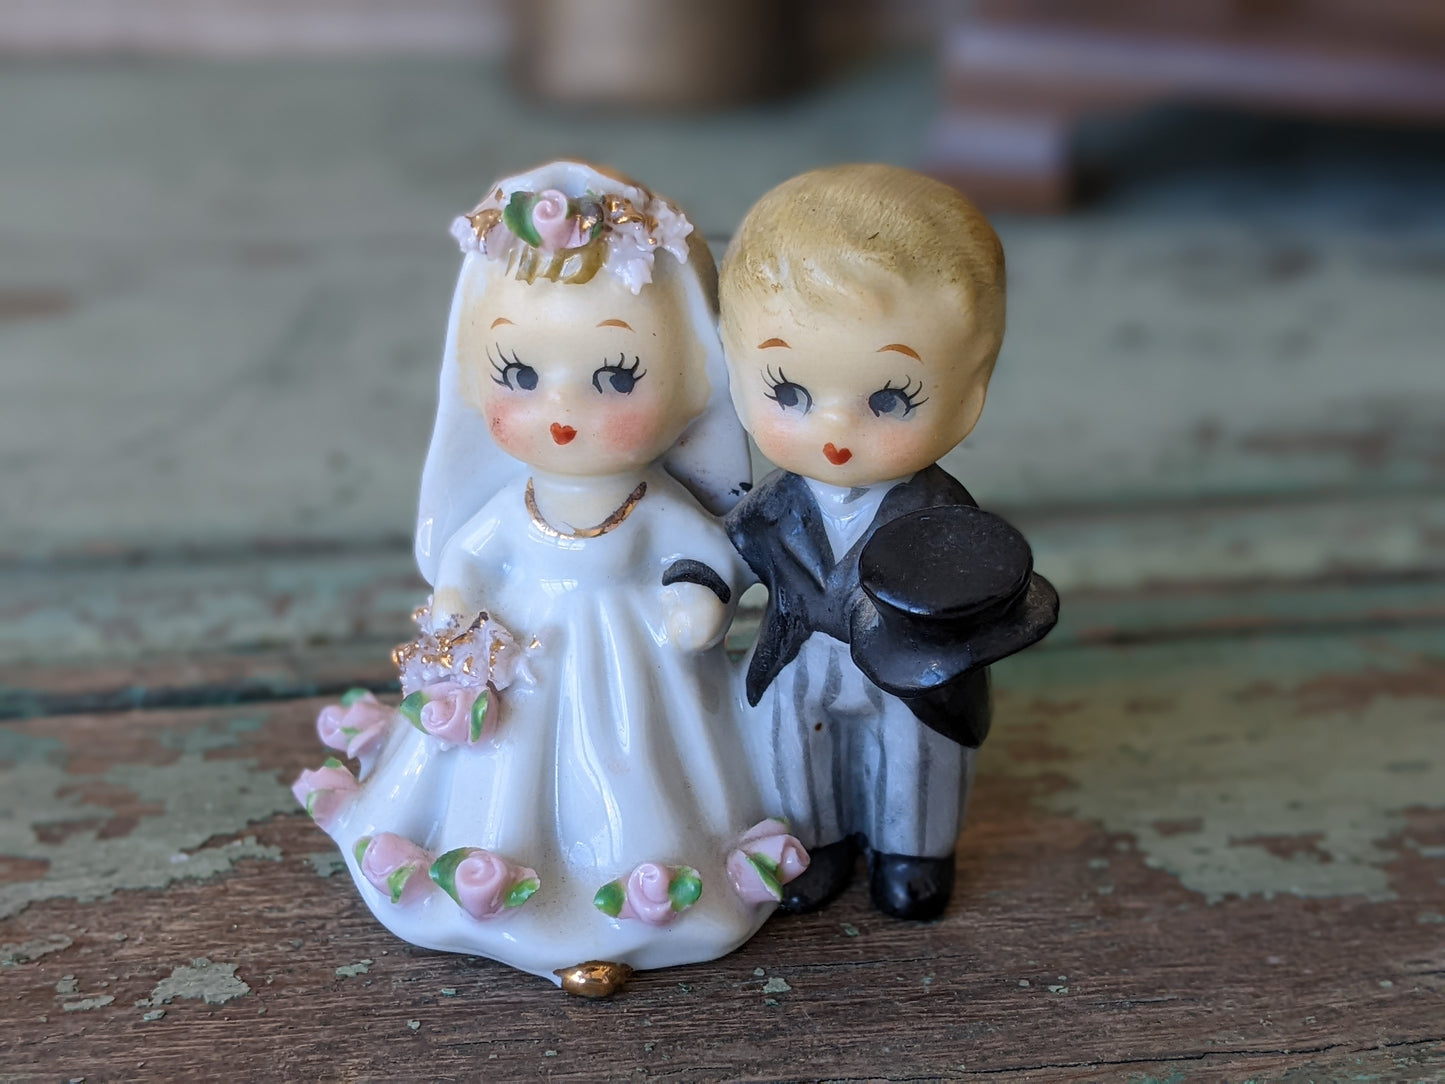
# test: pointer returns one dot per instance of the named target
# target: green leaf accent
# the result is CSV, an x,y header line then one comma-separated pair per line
x,y
396,881
685,888
610,898
517,217
444,870
332,762
359,848
351,696
521,892
411,707
311,804
767,873
479,714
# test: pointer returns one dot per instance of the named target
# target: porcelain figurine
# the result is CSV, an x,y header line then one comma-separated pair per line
x,y
862,312
565,786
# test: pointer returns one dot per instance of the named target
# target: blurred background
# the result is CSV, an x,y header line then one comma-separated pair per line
x,y
225,268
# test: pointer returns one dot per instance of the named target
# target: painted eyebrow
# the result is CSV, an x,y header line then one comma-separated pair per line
x,y
615,323
899,348
499,321
769,343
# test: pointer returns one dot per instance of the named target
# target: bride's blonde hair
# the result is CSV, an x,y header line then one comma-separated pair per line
x,y
825,237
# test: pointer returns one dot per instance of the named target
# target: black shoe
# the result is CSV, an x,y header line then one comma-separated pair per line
x,y
907,887
830,869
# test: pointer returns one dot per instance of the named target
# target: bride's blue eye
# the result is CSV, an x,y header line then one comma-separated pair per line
x,y
786,394
895,402
620,376
512,373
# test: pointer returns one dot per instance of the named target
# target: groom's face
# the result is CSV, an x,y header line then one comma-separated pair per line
x,y
872,388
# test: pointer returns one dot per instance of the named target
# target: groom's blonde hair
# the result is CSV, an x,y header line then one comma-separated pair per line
x,y
831,235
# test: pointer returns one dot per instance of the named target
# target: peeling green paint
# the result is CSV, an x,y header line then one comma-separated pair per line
x,y
201,799
212,983
350,971
327,863
85,1004
1222,766
13,954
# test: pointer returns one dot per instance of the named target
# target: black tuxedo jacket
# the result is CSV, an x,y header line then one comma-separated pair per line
x,y
778,529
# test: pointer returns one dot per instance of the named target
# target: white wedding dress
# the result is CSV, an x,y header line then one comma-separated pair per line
x,y
624,749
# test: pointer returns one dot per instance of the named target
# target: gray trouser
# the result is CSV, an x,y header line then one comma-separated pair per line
x,y
837,756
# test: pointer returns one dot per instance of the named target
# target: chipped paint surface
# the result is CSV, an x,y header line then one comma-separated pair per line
x,y
214,984
85,1004
13,954
63,828
1230,777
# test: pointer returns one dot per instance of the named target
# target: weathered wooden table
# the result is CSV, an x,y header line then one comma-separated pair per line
x,y
1208,836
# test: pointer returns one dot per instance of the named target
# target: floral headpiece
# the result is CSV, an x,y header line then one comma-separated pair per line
x,y
630,226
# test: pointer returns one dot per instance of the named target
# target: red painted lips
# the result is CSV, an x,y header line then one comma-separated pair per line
x,y
836,456
563,434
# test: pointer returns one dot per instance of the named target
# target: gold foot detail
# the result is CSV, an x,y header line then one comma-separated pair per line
x,y
595,978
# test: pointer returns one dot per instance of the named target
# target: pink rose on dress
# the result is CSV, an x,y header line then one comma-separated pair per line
x,y
450,712
395,865
325,791
767,858
555,226
652,893
356,725
483,884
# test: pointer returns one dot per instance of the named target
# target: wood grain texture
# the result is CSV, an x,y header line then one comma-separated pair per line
x,y
1075,948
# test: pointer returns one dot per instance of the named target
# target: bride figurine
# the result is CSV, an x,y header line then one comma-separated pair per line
x,y
563,787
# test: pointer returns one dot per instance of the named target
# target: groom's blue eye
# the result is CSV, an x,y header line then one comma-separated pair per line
x,y
785,393
900,402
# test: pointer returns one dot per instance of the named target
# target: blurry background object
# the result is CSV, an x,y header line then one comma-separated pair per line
x,y
651,53
1022,74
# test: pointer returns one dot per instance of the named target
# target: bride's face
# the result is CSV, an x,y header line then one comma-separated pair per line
x,y
584,378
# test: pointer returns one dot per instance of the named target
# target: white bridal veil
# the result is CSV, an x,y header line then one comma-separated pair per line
x,y
464,469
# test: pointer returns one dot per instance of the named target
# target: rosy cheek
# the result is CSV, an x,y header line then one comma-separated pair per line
x,y
628,430
780,441
505,423
898,445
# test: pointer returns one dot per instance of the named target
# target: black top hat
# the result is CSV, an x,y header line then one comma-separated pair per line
x,y
947,591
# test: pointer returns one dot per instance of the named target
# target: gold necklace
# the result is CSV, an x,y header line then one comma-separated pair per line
x,y
602,528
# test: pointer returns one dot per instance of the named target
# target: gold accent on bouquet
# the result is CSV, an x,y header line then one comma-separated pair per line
x,y
445,643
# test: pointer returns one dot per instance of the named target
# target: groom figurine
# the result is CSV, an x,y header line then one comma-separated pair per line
x,y
862,311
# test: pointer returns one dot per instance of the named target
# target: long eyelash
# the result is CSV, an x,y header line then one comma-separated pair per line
x,y
773,381
503,367
911,402
620,366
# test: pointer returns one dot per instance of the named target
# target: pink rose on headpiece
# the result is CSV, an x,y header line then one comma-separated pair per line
x,y
356,725
555,226
325,791
483,884
766,859
652,893
395,865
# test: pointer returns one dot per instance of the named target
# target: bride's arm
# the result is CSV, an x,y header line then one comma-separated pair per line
x,y
470,563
